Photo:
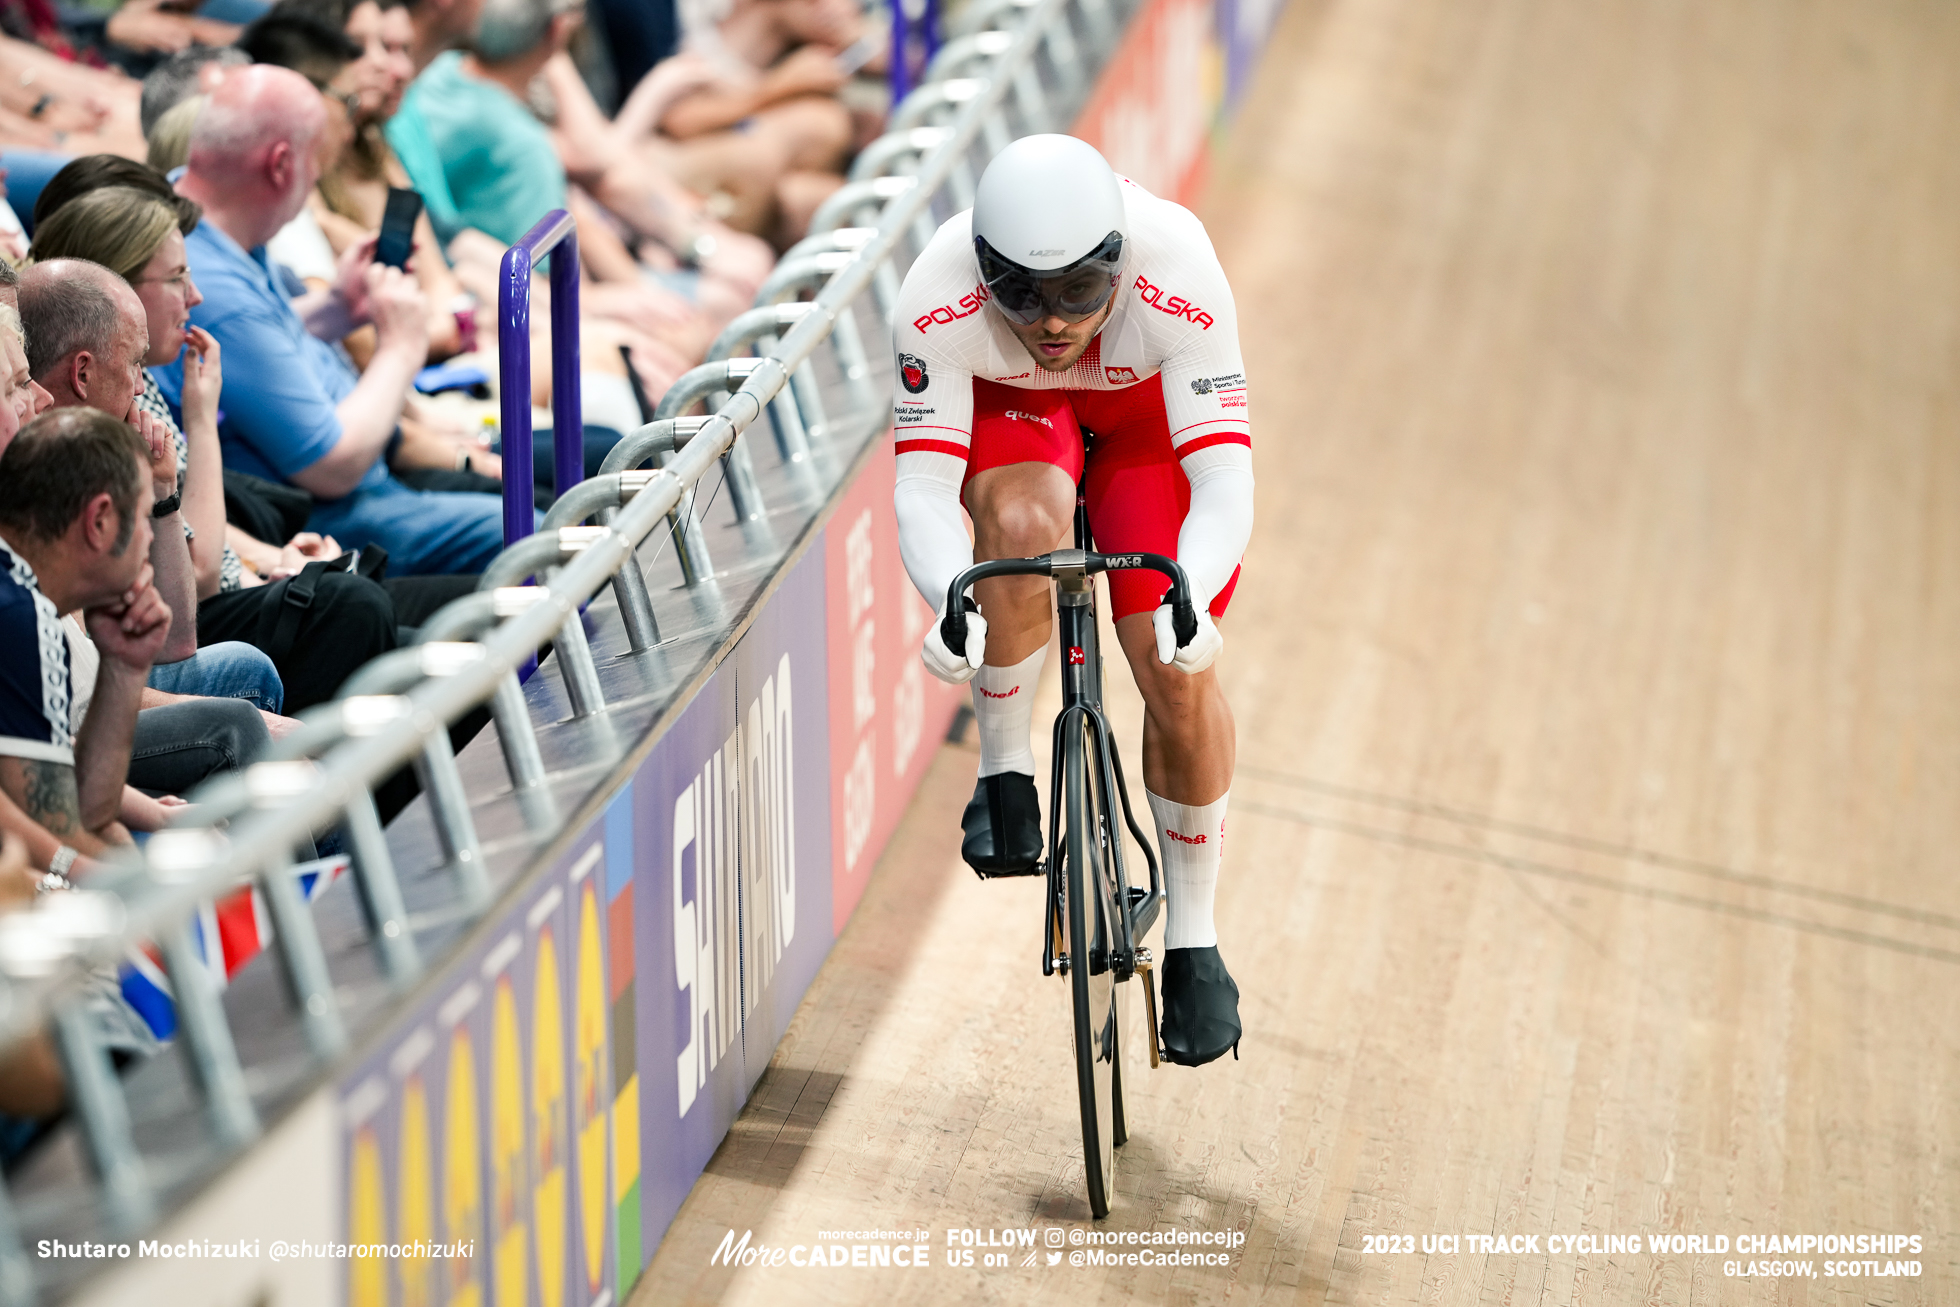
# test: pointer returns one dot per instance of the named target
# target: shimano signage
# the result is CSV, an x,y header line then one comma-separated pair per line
x,y
734,843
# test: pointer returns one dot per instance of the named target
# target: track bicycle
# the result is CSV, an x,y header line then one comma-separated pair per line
x,y
1092,915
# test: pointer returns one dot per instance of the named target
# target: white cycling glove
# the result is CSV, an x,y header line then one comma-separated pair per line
x,y
1194,657
952,668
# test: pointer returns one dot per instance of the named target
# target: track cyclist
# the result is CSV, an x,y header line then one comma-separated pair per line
x,y
1069,299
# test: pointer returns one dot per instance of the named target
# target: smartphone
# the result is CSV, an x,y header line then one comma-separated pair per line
x,y
397,240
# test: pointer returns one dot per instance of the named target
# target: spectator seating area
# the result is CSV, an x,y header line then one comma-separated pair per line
x,y
213,191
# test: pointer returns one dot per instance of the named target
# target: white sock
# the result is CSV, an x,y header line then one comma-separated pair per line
x,y
1003,708
1192,842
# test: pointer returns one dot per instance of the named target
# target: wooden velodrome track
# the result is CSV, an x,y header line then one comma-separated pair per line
x,y
1597,670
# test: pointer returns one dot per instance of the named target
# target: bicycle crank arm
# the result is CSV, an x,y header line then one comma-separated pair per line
x,y
1149,1000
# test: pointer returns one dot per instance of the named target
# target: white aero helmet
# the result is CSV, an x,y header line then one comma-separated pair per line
x,y
1048,228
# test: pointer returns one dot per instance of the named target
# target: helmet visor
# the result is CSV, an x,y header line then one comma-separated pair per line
x,y
1072,293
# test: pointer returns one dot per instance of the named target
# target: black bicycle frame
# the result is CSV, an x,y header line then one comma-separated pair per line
x,y
1073,571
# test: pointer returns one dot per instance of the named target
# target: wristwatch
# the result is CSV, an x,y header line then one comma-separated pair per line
x,y
165,507
56,877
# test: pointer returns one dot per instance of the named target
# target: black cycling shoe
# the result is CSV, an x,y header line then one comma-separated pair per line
x,y
1003,826
1201,1007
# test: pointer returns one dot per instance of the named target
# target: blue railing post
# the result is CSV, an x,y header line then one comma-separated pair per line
x,y
915,39
567,416
554,235
514,392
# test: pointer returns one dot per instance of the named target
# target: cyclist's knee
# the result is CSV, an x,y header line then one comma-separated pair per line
x,y
1018,527
1176,700
1020,510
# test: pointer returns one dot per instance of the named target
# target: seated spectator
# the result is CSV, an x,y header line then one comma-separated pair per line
x,y
20,402
767,147
365,76
93,171
432,442
21,398
49,101
163,740
139,33
125,230
483,160
296,412
349,619
88,336
213,710
771,71
352,196
75,500
318,52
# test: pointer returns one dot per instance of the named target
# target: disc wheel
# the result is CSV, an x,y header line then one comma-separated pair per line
x,y
1093,991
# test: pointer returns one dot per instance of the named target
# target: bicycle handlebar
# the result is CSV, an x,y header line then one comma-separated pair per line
x,y
1184,614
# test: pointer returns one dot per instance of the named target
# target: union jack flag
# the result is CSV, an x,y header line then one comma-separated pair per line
x,y
228,933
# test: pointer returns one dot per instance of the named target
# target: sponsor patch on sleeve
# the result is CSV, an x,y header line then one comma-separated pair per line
x,y
1228,387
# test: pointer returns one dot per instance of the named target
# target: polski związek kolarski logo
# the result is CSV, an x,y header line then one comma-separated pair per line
x,y
912,372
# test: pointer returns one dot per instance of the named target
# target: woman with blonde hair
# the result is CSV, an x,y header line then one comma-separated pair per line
x,y
138,234
140,238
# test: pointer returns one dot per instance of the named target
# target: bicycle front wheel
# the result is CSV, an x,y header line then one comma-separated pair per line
x,y
1086,879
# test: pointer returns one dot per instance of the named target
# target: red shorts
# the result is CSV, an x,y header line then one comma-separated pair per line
x,y
1137,493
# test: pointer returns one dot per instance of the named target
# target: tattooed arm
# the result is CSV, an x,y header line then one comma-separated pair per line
x,y
38,797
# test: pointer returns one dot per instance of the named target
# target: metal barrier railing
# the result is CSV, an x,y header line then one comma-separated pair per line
x,y
557,238
396,711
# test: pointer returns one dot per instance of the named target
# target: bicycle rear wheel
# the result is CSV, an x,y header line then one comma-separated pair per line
x,y
1087,880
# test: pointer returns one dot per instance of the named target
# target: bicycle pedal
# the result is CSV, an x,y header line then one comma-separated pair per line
x,y
1144,961
1039,869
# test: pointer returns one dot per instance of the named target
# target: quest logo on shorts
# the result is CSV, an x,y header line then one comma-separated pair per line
x,y
912,373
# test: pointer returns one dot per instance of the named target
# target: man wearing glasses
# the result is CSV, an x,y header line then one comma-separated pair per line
x,y
1072,321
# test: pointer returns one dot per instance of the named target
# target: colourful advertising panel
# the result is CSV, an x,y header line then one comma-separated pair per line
x,y
475,1142
732,827
546,1110
886,712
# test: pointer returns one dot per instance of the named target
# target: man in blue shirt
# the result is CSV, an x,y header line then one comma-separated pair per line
x,y
295,410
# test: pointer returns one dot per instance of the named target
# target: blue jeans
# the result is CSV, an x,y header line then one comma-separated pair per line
x,y
426,532
229,669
